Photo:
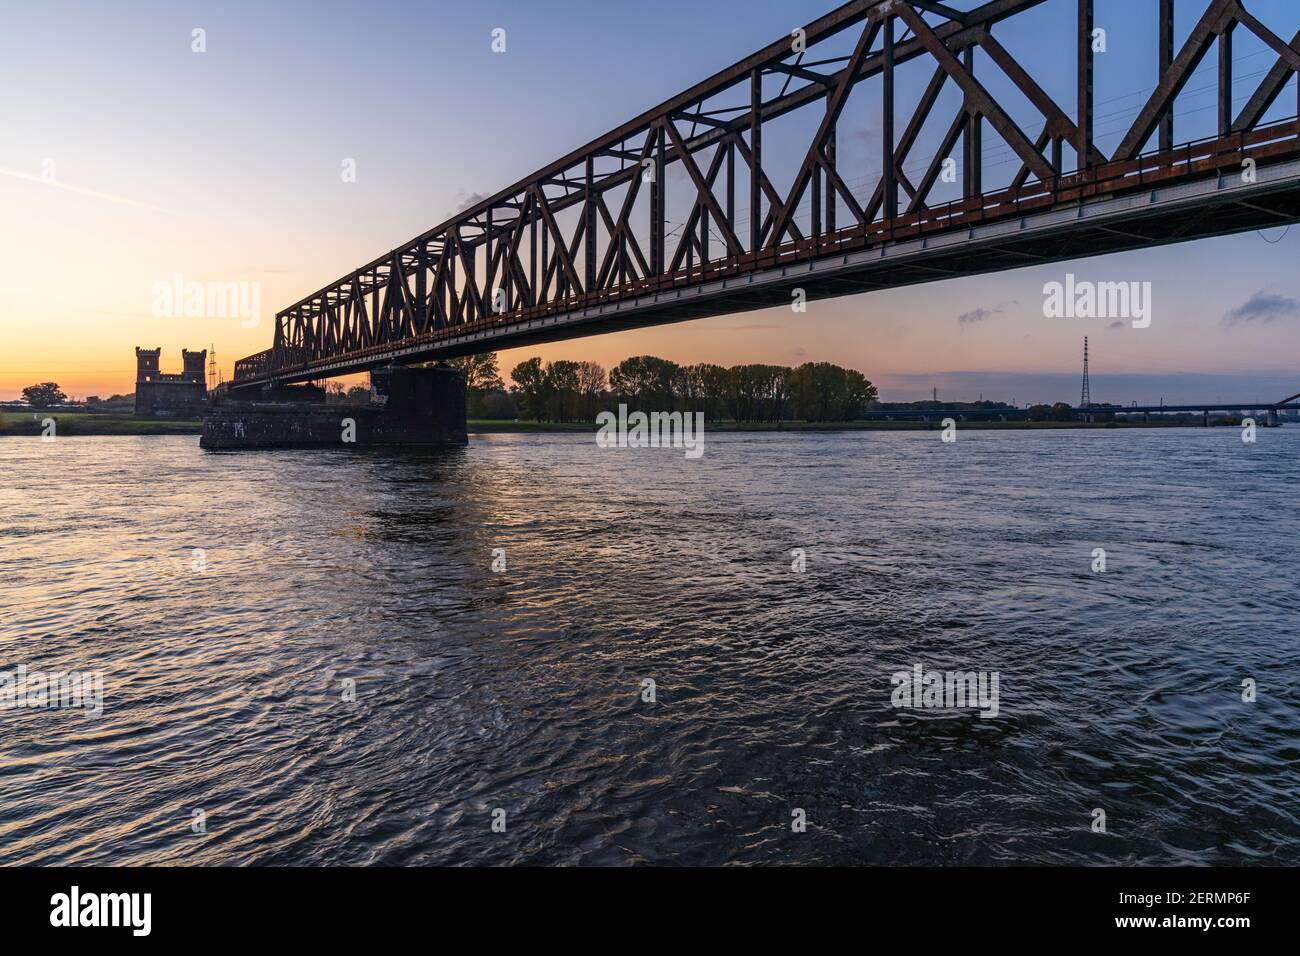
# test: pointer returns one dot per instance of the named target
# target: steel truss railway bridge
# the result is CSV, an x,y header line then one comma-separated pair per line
x,y
584,246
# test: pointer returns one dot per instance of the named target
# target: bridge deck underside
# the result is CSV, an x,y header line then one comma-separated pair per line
x,y
1207,208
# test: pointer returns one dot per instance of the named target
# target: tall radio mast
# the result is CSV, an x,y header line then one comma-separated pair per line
x,y
1086,399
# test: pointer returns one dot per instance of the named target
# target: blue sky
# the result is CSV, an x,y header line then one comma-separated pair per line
x,y
227,165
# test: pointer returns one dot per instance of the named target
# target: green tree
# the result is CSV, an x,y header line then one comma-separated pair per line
x,y
823,392
706,390
860,394
481,377
500,406
563,390
646,383
531,381
44,395
758,393
480,371
591,383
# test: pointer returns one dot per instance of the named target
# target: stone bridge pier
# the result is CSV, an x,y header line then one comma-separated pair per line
x,y
409,406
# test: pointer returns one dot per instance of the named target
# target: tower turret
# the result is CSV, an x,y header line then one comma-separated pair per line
x,y
194,367
146,364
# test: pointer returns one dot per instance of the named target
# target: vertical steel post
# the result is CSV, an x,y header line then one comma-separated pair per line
x,y
589,243
756,154
489,265
1087,22
1166,60
1225,80
830,189
471,275
453,295
421,288
973,138
658,263
546,252
888,174
704,235
816,201
731,184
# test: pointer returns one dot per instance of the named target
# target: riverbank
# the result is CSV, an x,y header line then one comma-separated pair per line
x,y
88,423
92,423
484,427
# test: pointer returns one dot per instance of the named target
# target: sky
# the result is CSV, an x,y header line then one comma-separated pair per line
x,y
129,160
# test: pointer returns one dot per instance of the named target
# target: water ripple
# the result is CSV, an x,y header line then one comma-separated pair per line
x,y
312,649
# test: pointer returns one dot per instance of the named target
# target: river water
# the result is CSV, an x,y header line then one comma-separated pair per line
x,y
308,658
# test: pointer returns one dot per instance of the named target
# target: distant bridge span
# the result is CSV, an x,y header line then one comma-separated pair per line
x,y
584,246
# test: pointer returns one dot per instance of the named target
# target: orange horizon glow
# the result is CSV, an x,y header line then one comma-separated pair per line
x,y
82,334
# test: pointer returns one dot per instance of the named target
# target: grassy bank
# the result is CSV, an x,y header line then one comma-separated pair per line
x,y
93,423
87,423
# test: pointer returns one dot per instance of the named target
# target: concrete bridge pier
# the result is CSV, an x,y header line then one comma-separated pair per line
x,y
411,406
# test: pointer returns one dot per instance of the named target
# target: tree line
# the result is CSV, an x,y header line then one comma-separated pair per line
x,y
568,391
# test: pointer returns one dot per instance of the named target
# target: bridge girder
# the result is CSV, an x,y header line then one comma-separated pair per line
x,y
594,226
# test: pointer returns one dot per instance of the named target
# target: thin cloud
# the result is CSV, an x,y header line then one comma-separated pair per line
x,y
466,201
81,190
976,316
1263,307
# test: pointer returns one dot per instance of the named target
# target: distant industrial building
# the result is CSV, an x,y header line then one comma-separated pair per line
x,y
170,396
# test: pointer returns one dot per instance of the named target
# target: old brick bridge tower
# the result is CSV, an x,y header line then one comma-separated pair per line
x,y
170,396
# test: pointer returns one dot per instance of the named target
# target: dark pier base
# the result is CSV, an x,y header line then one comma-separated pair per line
x,y
414,406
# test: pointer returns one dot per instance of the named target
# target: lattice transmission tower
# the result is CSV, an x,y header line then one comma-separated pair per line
x,y
1085,399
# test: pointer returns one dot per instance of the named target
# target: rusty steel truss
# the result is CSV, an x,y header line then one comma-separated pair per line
x,y
588,238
